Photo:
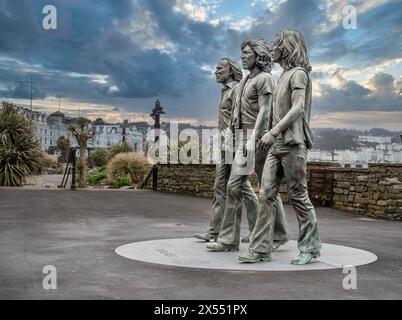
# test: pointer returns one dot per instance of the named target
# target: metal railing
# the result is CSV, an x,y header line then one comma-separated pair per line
x,y
154,174
70,170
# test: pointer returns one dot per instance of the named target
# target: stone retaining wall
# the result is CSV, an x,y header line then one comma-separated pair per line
x,y
375,192
190,179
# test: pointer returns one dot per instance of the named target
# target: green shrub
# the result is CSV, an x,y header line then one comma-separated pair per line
x,y
49,161
20,153
156,154
128,164
121,148
59,169
99,156
95,178
121,182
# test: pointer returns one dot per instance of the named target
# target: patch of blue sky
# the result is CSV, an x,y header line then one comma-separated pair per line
x,y
235,9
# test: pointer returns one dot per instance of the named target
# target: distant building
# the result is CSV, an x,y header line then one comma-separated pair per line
x,y
50,127
372,149
319,155
109,134
374,139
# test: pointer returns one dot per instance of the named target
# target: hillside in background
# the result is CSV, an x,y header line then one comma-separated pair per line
x,y
341,139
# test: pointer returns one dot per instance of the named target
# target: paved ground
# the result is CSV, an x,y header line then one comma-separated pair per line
x,y
50,181
78,232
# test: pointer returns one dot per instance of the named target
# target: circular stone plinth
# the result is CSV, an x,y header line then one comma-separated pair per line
x,y
191,253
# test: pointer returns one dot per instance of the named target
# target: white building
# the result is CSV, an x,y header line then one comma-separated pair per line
x,y
319,155
391,154
383,151
374,139
50,127
109,134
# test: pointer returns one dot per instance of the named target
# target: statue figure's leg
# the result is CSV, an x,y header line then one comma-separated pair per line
x,y
262,237
280,227
230,228
294,164
250,203
219,198
229,236
222,174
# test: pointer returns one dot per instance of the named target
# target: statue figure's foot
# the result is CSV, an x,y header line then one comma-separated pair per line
x,y
206,236
219,247
304,258
246,239
253,257
277,244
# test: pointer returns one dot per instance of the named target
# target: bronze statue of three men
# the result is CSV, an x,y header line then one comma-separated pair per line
x,y
278,117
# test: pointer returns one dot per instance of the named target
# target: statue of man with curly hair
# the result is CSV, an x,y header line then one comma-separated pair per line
x,y
287,139
253,100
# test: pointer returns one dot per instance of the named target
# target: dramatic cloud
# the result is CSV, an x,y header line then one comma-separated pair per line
x,y
377,37
124,54
380,93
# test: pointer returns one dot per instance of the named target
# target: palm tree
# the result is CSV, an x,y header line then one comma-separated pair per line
x,y
82,132
20,153
63,145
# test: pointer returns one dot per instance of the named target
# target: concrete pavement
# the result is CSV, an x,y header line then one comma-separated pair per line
x,y
77,232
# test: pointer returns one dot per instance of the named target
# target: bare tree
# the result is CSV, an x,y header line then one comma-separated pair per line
x,y
82,132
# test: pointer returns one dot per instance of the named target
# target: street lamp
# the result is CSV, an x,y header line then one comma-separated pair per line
x,y
123,134
156,112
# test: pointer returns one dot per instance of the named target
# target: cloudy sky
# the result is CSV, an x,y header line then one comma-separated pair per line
x,y
113,58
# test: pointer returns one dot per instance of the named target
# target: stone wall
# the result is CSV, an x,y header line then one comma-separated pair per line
x,y
190,179
375,192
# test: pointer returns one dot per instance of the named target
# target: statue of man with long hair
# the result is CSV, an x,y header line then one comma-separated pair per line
x,y
288,139
253,100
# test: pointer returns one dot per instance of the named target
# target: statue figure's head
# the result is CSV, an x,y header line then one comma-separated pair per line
x,y
228,70
256,52
289,49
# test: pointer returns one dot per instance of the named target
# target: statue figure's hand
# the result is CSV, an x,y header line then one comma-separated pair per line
x,y
235,123
250,146
267,140
226,139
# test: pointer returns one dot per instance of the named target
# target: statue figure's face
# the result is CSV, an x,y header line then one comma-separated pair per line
x,y
222,72
277,53
248,57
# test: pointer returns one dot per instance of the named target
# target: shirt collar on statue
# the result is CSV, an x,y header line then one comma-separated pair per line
x,y
255,74
229,85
